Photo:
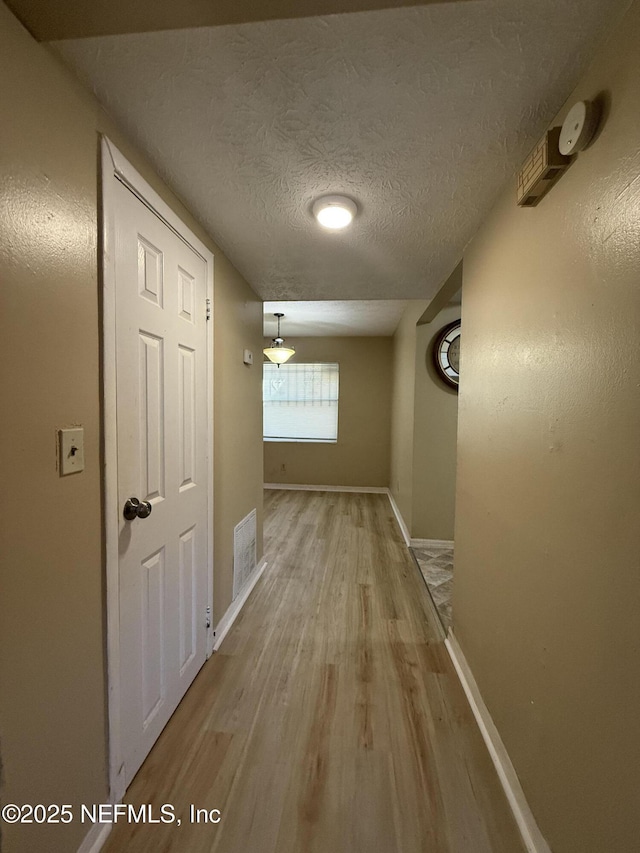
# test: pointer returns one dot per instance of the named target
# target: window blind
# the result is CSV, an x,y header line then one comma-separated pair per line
x,y
300,402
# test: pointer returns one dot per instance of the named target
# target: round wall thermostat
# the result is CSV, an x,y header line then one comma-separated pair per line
x,y
578,128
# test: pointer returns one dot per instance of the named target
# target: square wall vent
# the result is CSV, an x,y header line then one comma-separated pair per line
x,y
244,551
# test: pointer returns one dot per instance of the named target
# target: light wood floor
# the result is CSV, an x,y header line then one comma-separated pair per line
x,y
331,720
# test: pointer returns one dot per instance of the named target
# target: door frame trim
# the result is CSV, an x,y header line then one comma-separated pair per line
x,y
115,165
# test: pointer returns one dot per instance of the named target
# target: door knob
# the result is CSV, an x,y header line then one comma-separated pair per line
x,y
135,508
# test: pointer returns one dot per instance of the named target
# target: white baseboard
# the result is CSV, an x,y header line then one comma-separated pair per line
x,y
401,523
223,626
95,839
532,837
432,543
363,490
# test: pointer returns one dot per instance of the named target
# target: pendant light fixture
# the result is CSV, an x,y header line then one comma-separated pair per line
x,y
278,353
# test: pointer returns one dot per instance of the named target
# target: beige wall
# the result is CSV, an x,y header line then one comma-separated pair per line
x,y
120,16
402,409
361,455
434,439
547,578
52,681
237,436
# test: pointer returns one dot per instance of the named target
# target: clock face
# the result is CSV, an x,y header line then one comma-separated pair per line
x,y
447,354
453,354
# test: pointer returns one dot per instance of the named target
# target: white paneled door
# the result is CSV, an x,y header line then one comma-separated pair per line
x,y
162,462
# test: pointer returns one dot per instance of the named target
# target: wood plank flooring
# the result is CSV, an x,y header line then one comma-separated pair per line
x,y
331,719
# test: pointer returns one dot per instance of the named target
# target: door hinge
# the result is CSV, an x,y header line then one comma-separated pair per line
x,y
208,618
208,315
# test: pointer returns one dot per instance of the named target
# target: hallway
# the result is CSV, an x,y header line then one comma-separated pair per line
x,y
331,719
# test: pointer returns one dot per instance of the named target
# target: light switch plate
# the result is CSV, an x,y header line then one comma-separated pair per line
x,y
247,357
71,450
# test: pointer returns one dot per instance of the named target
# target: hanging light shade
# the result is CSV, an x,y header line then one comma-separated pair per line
x,y
278,353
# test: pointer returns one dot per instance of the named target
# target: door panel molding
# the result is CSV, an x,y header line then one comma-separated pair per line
x,y
115,167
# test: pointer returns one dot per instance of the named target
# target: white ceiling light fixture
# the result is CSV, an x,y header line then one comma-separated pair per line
x,y
334,211
278,353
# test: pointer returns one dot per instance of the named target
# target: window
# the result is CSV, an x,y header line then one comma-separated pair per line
x,y
300,402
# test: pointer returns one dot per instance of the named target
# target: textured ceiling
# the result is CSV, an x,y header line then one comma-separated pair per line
x,y
334,318
419,114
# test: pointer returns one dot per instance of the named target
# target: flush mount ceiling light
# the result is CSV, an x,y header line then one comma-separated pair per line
x,y
278,353
334,211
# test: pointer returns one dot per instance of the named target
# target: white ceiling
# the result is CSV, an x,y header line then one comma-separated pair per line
x,y
334,318
421,114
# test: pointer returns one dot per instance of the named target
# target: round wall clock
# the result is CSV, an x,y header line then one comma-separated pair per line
x,y
446,352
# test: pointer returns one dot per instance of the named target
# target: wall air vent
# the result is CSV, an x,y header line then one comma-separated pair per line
x,y
244,552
